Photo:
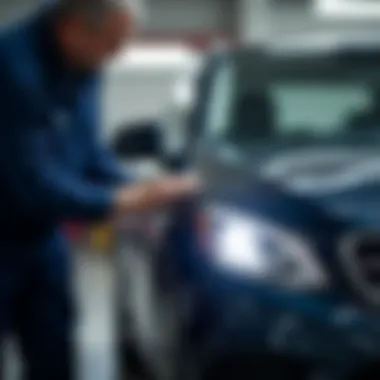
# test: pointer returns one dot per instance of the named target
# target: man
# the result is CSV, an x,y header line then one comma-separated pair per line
x,y
53,168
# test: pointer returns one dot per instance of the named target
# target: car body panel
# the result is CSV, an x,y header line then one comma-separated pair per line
x,y
302,187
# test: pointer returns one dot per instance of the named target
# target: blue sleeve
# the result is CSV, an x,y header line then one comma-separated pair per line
x,y
37,188
34,187
103,166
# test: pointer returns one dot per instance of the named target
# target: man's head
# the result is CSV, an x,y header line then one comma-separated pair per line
x,y
90,32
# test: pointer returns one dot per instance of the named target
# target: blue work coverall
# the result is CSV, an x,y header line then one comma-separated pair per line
x,y
53,168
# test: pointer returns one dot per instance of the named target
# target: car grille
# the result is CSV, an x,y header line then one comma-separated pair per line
x,y
361,257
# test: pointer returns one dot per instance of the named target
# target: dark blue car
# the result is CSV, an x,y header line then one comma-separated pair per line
x,y
274,272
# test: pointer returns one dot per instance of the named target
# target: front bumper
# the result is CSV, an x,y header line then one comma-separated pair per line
x,y
236,317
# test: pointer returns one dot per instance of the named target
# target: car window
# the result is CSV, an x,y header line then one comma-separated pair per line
x,y
317,108
245,108
221,101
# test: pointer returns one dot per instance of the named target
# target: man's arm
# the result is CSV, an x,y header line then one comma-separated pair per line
x,y
38,188
103,167
33,185
35,188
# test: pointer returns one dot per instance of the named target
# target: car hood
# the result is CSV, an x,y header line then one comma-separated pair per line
x,y
344,180
340,182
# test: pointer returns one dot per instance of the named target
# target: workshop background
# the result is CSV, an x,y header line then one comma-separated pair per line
x,y
174,37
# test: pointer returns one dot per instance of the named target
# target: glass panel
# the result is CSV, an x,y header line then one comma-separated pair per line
x,y
221,101
318,109
246,106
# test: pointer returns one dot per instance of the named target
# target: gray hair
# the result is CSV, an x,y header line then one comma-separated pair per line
x,y
98,9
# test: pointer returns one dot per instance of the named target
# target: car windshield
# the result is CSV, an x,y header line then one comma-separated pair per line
x,y
287,100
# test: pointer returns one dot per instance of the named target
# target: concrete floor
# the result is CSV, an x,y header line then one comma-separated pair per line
x,y
95,330
94,277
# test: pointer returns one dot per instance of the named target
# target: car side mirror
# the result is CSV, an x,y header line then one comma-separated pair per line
x,y
146,140
138,141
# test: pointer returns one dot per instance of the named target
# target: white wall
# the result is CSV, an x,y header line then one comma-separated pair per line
x,y
161,15
190,15
11,10
136,95
293,18
254,20
277,17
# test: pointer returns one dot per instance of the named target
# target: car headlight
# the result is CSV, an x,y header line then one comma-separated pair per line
x,y
247,246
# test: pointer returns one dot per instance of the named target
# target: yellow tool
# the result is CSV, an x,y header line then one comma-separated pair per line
x,y
102,238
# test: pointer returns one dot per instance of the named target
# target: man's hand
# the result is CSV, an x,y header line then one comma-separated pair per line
x,y
152,195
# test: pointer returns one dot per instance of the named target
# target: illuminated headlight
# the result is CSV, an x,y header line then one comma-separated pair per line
x,y
253,248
